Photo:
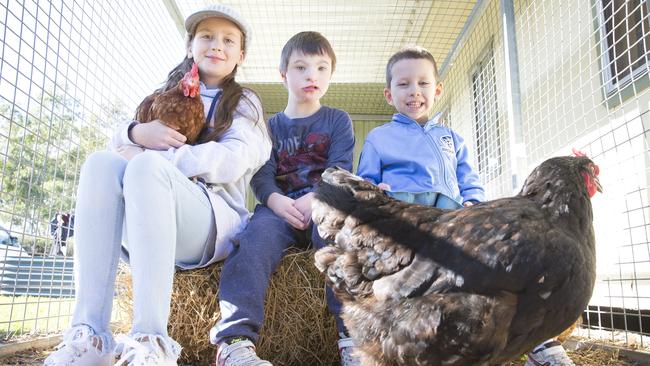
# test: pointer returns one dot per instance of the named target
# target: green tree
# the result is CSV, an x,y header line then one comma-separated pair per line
x,y
42,153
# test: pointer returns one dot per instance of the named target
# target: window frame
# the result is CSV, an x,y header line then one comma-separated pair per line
x,y
615,94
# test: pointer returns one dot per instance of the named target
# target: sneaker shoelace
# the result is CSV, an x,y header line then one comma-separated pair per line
x,y
135,352
242,356
76,342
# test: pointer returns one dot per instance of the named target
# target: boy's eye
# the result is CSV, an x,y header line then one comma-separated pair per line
x,y
228,40
300,68
322,68
205,36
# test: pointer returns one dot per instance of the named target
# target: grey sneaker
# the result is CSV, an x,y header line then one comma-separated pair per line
x,y
550,354
240,353
81,347
346,351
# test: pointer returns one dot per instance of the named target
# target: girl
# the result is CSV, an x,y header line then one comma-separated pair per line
x,y
140,193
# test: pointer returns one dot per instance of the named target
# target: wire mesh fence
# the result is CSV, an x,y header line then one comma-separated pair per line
x,y
69,71
72,70
584,84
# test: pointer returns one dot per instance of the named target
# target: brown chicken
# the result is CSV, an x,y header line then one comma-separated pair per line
x,y
180,108
477,286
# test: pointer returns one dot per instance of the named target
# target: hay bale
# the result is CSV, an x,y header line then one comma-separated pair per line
x,y
298,330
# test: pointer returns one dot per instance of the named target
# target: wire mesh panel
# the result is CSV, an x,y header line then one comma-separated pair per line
x,y
70,70
584,84
473,96
583,71
486,117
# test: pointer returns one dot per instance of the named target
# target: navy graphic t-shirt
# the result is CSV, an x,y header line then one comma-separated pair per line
x,y
302,149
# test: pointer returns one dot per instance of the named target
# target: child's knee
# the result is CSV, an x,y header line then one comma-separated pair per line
x,y
145,170
146,165
104,162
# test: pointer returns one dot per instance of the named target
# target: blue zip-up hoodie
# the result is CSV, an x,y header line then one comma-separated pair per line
x,y
413,158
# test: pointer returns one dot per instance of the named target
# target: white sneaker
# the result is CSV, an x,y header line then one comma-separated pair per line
x,y
81,347
146,350
346,351
550,354
241,353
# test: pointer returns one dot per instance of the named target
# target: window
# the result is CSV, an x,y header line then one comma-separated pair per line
x,y
625,38
486,117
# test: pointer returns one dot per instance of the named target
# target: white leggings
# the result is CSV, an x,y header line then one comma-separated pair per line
x,y
167,219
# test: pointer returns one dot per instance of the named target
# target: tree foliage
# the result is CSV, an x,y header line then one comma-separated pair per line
x,y
42,151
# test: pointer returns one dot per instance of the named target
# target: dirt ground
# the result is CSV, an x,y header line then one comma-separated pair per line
x,y
581,357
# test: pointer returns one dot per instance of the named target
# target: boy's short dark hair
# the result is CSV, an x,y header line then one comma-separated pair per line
x,y
309,43
410,52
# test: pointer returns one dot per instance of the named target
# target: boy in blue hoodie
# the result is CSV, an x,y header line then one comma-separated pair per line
x,y
414,158
417,160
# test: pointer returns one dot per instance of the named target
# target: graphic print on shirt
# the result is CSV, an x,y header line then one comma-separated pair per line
x,y
447,144
301,163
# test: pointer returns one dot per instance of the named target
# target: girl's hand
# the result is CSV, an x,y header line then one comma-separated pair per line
x,y
303,204
155,135
468,203
129,151
283,207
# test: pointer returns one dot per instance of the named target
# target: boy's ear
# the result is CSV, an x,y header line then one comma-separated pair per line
x,y
388,96
439,88
242,56
283,76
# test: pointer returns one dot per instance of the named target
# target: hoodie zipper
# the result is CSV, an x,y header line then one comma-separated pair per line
x,y
432,144
440,156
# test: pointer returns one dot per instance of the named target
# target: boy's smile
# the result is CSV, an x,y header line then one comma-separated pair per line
x,y
413,88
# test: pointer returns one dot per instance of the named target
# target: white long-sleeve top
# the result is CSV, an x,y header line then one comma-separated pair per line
x,y
226,166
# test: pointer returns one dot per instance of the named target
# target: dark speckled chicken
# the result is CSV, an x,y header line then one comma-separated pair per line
x,y
476,286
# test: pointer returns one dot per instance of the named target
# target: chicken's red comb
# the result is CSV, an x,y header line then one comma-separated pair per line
x,y
577,152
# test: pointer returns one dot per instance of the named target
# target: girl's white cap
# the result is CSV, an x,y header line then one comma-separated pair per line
x,y
219,11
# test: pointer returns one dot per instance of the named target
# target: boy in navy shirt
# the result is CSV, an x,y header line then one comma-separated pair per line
x,y
307,139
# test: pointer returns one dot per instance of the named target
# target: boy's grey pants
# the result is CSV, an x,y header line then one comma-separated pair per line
x,y
247,272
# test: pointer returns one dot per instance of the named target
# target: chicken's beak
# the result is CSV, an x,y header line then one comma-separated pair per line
x,y
599,188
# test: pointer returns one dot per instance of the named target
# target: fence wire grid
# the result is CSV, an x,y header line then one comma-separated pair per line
x,y
70,71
